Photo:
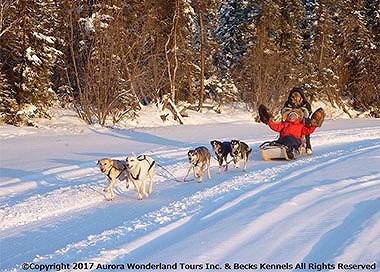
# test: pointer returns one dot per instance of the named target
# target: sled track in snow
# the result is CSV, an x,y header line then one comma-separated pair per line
x,y
239,189
82,184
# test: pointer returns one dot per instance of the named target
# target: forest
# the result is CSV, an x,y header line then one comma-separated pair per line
x,y
106,59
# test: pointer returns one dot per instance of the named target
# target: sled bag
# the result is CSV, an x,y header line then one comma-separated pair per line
x,y
273,151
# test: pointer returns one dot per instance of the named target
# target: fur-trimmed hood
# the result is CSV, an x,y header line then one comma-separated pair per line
x,y
297,90
290,103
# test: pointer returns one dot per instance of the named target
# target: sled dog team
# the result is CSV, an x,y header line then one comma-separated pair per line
x,y
137,168
294,131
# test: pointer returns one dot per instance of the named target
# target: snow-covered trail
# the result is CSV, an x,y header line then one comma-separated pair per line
x,y
322,208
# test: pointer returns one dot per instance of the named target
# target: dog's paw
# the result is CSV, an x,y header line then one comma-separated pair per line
x,y
105,190
139,197
111,198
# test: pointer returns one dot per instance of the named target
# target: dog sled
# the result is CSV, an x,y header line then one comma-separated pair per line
x,y
273,151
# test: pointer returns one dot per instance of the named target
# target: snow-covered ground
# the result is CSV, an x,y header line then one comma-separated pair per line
x,y
317,213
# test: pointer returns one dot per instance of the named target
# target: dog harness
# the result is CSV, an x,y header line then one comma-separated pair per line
x,y
196,163
121,171
142,158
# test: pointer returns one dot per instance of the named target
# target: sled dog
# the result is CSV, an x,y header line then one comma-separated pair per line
x,y
240,152
221,149
139,168
199,157
114,170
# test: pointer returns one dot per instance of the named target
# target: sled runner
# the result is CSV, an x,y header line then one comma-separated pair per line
x,y
273,151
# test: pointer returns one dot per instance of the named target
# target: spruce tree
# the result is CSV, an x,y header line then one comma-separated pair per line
x,y
361,55
234,32
30,54
8,104
320,77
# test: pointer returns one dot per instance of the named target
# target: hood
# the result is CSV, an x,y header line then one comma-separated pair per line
x,y
298,90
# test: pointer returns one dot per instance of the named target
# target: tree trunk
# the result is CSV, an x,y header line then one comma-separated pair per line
x,y
202,37
172,68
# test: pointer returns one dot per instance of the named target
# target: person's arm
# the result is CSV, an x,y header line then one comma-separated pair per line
x,y
308,130
276,126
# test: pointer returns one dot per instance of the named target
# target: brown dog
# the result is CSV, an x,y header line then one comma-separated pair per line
x,y
114,170
199,157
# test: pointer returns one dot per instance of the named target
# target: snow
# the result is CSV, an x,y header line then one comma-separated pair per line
x,y
321,210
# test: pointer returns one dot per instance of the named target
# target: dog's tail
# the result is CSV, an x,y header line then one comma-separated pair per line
x,y
249,152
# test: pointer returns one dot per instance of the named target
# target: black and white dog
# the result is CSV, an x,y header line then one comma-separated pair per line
x,y
240,152
221,149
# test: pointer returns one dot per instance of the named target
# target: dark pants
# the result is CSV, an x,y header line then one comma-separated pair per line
x,y
291,143
307,122
307,138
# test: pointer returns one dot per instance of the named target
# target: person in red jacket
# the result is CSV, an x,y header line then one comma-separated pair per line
x,y
297,100
291,131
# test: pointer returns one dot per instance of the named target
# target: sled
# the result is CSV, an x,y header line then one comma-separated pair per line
x,y
273,151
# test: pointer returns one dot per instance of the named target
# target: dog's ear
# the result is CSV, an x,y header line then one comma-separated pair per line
x,y
98,162
133,154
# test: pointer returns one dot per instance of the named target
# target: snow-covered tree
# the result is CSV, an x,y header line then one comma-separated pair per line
x,y
361,55
269,68
234,31
28,47
320,59
8,104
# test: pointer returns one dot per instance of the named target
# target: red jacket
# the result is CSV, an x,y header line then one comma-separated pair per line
x,y
287,128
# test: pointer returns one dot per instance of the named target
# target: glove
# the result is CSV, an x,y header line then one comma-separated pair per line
x,y
317,118
264,114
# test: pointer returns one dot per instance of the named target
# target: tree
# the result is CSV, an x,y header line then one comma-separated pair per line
x,y
28,53
271,65
8,105
360,56
321,77
234,31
